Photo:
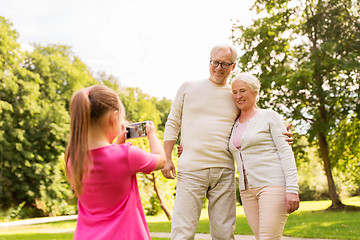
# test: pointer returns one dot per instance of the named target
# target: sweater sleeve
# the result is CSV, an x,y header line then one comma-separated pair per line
x,y
277,127
173,123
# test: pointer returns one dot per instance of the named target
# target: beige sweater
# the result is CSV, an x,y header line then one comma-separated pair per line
x,y
205,113
267,157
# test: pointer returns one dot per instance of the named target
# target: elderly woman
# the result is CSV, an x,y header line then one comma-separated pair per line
x,y
268,176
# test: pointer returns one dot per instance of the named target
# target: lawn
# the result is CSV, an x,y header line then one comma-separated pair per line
x,y
310,221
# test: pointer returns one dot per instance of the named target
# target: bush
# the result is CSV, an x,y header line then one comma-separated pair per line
x,y
313,182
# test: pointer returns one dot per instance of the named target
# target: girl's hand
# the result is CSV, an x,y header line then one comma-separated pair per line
x,y
150,128
122,136
156,147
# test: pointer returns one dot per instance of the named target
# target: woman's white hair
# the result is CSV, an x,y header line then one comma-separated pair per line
x,y
251,80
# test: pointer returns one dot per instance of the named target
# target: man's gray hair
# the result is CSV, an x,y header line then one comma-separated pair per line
x,y
225,46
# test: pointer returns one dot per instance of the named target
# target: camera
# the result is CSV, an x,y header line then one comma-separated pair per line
x,y
136,130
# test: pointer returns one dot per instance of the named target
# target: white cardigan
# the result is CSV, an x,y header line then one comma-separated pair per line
x,y
267,157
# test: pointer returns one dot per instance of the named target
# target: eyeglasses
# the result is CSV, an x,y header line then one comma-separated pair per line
x,y
224,65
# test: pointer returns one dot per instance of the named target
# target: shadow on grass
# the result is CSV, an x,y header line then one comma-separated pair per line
x,y
344,207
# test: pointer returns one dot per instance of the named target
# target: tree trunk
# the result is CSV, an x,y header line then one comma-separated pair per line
x,y
324,150
335,200
162,205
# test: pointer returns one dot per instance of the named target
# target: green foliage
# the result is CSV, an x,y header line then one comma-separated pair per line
x,y
139,106
57,197
35,93
164,106
345,146
311,175
61,72
15,213
166,187
108,80
18,95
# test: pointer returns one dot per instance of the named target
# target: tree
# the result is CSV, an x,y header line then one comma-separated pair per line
x,y
139,106
18,109
164,106
345,147
61,72
307,56
36,88
35,92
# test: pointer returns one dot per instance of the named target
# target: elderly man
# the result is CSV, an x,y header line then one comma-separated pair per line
x,y
205,112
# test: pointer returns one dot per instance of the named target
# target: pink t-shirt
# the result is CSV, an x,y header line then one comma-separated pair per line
x,y
110,205
240,129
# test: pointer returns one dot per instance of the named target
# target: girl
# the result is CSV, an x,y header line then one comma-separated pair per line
x,y
103,174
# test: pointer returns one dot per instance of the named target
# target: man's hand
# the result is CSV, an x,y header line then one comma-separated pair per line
x,y
290,140
169,170
292,202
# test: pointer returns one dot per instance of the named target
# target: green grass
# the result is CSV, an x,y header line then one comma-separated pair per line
x,y
310,221
38,236
338,225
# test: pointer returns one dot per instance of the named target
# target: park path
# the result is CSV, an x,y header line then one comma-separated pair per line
x,y
199,236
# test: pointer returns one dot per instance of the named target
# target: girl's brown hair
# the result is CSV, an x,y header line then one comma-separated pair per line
x,y
87,106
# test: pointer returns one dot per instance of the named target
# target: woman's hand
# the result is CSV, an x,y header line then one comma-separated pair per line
x,y
179,150
292,202
290,140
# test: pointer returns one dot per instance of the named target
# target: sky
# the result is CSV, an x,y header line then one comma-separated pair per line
x,y
155,45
